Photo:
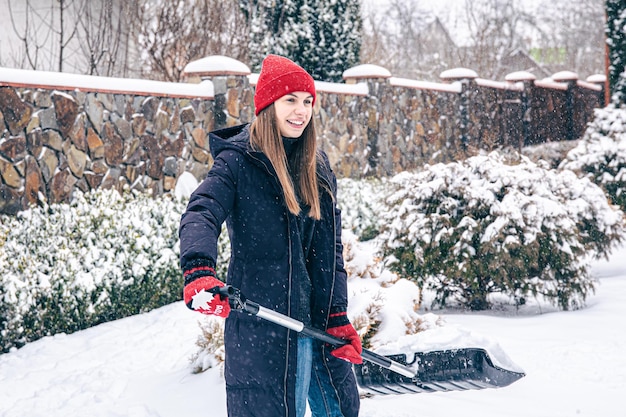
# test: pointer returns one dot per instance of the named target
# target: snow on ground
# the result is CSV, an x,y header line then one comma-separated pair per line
x,y
139,366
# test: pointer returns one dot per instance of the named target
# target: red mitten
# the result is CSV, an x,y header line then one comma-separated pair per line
x,y
352,351
196,295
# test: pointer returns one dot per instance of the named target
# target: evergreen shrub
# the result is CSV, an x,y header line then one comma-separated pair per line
x,y
601,153
361,203
470,229
616,42
104,256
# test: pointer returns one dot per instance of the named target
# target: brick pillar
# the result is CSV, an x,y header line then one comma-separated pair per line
x,y
527,80
378,141
232,102
569,78
600,80
466,78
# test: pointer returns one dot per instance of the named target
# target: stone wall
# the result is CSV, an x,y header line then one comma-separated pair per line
x,y
56,137
54,142
403,124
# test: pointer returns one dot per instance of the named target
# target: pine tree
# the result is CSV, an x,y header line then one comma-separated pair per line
x,y
268,22
323,36
616,39
339,37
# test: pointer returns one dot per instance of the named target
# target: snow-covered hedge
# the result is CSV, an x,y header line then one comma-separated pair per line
x,y
601,154
383,306
482,226
465,230
361,203
66,267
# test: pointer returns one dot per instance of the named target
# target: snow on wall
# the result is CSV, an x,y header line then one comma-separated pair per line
x,y
63,81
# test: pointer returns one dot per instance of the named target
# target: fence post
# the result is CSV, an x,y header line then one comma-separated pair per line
x,y
232,99
375,77
466,78
569,78
527,79
600,80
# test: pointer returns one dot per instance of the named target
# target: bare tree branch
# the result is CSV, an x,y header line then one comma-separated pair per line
x,y
180,31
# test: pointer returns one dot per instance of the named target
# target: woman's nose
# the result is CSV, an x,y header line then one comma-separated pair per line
x,y
301,108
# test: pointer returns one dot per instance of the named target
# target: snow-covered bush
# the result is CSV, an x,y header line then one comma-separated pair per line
x,y
361,202
601,154
552,153
104,256
382,306
482,226
210,342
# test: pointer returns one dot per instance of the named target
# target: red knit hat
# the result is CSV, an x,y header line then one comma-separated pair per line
x,y
280,76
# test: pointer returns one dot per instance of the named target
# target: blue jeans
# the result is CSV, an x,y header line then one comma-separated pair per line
x,y
312,377
303,373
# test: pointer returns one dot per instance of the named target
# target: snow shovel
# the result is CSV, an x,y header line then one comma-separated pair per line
x,y
445,370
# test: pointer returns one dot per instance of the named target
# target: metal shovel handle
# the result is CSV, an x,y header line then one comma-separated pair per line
x,y
239,302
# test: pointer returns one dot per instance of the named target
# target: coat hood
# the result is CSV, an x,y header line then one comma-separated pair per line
x,y
233,138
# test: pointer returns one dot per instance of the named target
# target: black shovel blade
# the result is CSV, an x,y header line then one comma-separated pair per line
x,y
444,370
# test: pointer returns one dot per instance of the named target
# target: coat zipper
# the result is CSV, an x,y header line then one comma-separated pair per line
x,y
330,300
289,281
334,274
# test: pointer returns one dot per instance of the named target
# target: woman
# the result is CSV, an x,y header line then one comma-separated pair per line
x,y
277,194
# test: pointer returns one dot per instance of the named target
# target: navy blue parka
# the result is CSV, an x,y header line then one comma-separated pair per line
x,y
242,189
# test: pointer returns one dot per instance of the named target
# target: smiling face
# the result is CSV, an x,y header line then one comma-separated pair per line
x,y
293,113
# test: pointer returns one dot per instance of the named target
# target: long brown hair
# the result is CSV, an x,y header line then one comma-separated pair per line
x,y
265,137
